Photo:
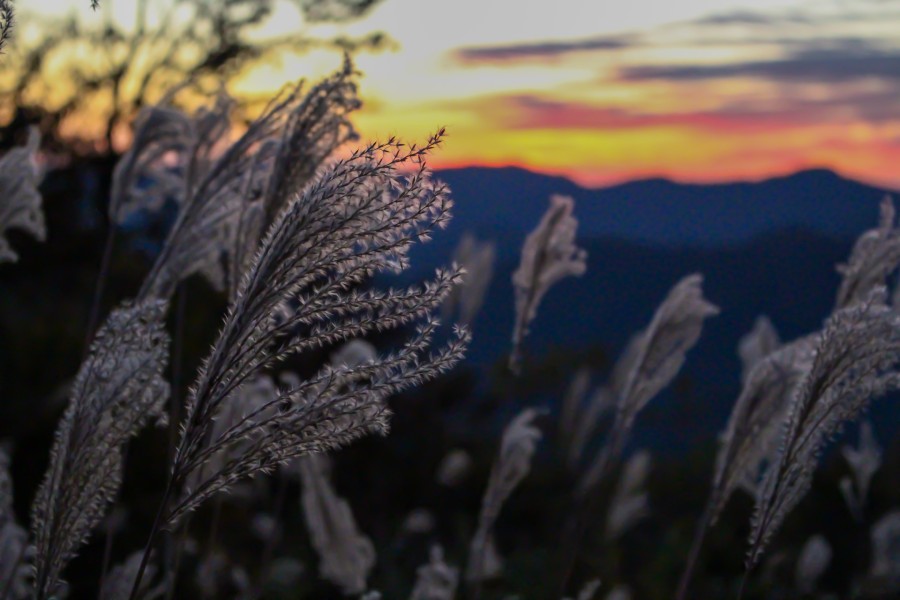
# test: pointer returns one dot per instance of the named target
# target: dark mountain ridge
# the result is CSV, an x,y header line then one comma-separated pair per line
x,y
659,211
764,248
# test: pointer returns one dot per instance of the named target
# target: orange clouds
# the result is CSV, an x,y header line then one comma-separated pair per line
x,y
598,144
729,95
605,93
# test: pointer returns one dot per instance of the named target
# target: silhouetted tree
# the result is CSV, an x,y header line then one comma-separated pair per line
x,y
84,67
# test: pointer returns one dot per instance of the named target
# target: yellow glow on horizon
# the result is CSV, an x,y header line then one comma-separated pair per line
x,y
574,113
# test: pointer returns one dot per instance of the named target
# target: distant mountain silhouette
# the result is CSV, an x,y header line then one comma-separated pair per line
x,y
658,211
764,248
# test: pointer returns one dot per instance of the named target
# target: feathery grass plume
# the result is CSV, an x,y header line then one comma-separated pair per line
x,y
210,141
119,581
15,561
620,592
477,259
250,398
15,550
571,415
874,257
492,563
759,343
650,362
630,502
144,178
856,359
864,462
119,387
601,402
354,353
435,580
6,486
548,255
572,401
884,572
418,521
588,590
750,440
216,179
313,129
812,563
314,125
359,218
346,556
513,464
454,468
231,193
20,200
7,22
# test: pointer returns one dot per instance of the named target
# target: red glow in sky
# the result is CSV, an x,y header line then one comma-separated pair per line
x,y
700,90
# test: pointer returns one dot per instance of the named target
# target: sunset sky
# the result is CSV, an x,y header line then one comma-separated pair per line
x,y
695,90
